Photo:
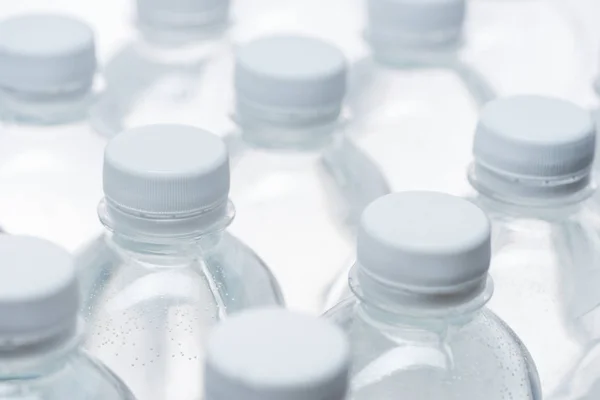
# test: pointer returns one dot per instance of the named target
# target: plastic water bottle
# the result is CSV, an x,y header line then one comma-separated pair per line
x,y
417,322
532,174
339,22
273,354
50,159
167,73
298,184
434,63
40,331
167,270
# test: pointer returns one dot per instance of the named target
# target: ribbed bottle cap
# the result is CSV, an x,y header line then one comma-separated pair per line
x,y
46,53
274,354
534,137
290,74
165,170
423,242
182,13
39,295
414,23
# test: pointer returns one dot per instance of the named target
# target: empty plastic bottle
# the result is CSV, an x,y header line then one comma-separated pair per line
x,y
40,328
417,322
50,159
297,182
167,270
434,63
532,174
273,354
167,73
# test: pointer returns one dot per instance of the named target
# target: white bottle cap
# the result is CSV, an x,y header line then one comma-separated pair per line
x,y
414,23
39,295
422,242
165,170
534,137
274,354
290,74
182,13
46,53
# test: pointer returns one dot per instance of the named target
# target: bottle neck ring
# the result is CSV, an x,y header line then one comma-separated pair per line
x,y
411,302
531,191
165,229
46,108
27,356
295,129
403,49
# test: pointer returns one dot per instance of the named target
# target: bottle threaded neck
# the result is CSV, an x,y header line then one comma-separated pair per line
x,y
418,302
161,228
56,107
531,190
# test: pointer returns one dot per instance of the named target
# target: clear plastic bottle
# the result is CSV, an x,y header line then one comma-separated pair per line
x,y
417,322
532,174
50,158
297,182
40,328
317,18
167,270
274,354
172,71
434,63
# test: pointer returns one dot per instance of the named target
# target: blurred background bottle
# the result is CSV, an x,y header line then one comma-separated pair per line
x,y
50,158
298,183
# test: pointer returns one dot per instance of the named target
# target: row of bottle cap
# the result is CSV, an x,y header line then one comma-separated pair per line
x,y
305,77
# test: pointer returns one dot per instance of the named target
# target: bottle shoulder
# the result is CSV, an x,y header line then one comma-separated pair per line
x,y
546,274
78,377
227,274
339,174
478,358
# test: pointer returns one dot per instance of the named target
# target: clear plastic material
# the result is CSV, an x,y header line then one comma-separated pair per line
x,y
419,100
313,18
545,262
299,190
467,354
65,373
545,267
151,302
50,166
167,76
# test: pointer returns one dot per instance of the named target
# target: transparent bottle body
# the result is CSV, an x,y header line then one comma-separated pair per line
x,y
50,168
545,265
416,122
168,76
298,204
416,107
475,356
528,47
74,376
149,308
258,18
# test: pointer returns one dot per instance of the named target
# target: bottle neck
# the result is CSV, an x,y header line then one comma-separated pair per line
x,y
32,357
531,191
295,130
181,44
46,108
405,49
166,234
411,305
